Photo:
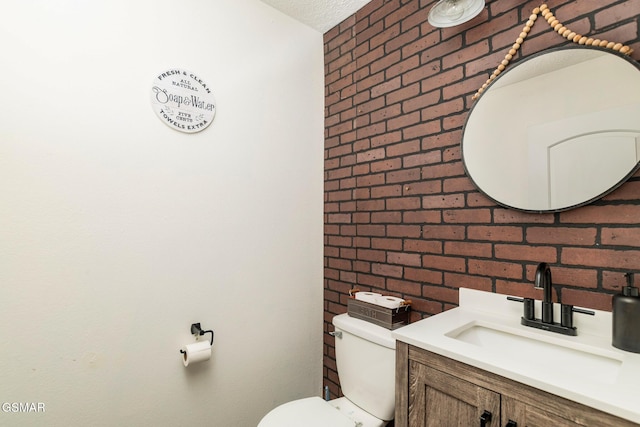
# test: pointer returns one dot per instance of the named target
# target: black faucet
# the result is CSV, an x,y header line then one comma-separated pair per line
x,y
543,281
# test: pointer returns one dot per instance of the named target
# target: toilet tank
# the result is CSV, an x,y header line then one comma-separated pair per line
x,y
365,358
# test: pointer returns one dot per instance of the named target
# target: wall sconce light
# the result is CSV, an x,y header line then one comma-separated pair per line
x,y
448,13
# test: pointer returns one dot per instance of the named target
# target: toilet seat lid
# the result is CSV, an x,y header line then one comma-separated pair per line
x,y
309,412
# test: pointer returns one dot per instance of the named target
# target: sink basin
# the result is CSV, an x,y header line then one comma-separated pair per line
x,y
547,356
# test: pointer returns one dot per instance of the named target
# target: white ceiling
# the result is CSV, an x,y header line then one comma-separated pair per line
x,y
321,15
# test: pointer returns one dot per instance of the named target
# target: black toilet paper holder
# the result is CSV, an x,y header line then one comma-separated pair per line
x,y
198,331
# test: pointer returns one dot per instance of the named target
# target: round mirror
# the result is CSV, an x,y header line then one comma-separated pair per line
x,y
558,130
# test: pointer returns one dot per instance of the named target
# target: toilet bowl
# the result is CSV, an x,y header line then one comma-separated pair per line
x,y
316,412
365,359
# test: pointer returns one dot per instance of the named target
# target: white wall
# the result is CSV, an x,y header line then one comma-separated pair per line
x,y
117,232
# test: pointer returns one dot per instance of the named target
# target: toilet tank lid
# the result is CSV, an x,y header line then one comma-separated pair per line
x,y
365,330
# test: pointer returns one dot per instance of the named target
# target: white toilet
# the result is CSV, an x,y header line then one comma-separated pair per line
x,y
365,358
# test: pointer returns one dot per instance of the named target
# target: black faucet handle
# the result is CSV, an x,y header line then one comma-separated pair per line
x,y
566,314
529,308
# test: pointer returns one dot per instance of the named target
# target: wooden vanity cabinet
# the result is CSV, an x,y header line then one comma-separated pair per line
x,y
432,390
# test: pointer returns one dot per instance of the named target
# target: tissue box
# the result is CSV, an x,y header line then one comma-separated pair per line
x,y
389,318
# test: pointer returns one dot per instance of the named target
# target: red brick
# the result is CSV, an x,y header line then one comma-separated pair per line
x,y
349,206
624,236
386,87
404,120
370,155
403,231
482,250
440,293
400,68
362,267
403,148
386,165
360,218
526,253
330,273
370,205
422,129
576,277
445,232
444,139
371,280
339,195
387,244
348,276
605,258
369,180
615,280
443,201
628,191
386,217
497,233
422,217
625,214
589,299
420,44
422,187
423,275
495,269
386,270
444,78
421,101
505,216
339,264
467,216
404,175
402,94
348,230
421,308
423,246
403,203
385,139
371,230
431,157
386,191
445,263
443,170
420,73
617,13
339,218
562,235
455,280
386,113
451,154
403,287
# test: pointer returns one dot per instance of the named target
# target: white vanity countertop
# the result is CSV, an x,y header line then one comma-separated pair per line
x,y
595,373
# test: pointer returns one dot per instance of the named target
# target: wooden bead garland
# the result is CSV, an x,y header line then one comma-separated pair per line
x,y
560,29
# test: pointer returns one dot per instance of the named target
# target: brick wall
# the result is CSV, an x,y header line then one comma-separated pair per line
x,y
401,216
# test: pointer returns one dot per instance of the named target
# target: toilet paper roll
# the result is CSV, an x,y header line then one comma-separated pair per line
x,y
367,296
389,302
197,352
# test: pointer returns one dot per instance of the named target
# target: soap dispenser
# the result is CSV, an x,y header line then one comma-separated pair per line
x,y
626,318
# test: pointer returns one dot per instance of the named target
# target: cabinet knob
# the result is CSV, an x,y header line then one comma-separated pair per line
x,y
511,423
485,418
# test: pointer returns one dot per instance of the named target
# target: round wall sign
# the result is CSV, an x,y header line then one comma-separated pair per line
x,y
182,100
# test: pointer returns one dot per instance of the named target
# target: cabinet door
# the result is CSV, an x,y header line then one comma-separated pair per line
x,y
437,399
536,417
527,415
